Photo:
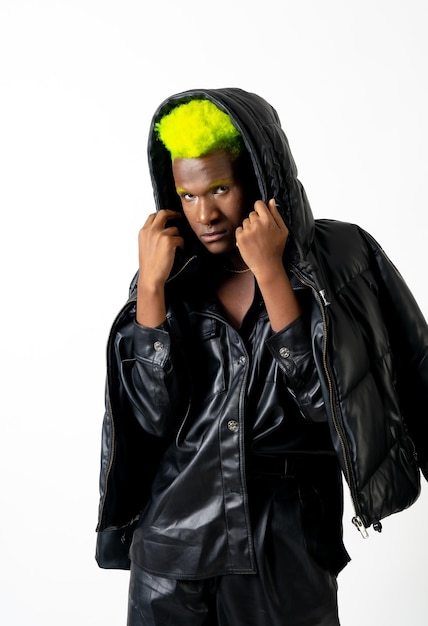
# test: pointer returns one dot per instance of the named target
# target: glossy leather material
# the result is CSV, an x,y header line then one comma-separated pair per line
x,y
289,588
196,523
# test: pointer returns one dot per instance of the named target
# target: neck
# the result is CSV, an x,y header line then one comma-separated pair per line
x,y
234,262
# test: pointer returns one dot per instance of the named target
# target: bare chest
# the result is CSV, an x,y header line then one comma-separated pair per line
x,y
236,295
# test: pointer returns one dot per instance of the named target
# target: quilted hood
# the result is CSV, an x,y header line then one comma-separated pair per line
x,y
267,144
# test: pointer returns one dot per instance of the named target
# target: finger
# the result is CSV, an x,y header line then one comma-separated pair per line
x,y
274,211
269,212
177,242
260,208
163,215
150,219
171,231
180,243
253,215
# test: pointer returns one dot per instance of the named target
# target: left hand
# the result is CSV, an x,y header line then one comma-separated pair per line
x,y
261,239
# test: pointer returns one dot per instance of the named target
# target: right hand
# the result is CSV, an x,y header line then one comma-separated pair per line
x,y
157,243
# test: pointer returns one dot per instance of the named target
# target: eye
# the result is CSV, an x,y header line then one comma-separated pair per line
x,y
221,189
186,196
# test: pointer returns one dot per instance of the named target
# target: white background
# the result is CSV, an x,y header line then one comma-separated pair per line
x,y
79,81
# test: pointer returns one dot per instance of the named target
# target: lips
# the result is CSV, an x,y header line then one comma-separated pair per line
x,y
213,236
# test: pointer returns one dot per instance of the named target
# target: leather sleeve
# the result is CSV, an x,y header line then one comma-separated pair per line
x,y
152,376
291,348
408,332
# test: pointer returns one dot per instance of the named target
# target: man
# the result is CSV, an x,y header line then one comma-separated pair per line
x,y
260,354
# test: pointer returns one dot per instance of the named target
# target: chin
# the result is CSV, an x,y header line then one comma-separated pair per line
x,y
219,248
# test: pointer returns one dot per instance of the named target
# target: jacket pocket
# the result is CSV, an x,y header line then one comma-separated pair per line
x,y
206,360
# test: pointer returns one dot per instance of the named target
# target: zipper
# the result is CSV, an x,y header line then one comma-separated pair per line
x,y
182,268
358,523
323,303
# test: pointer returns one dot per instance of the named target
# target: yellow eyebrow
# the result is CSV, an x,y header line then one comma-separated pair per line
x,y
223,181
218,183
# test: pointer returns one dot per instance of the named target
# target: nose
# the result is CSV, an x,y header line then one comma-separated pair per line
x,y
207,211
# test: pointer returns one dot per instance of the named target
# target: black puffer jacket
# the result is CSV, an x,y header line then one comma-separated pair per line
x,y
369,342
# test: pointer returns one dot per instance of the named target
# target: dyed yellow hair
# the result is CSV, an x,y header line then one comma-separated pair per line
x,y
196,128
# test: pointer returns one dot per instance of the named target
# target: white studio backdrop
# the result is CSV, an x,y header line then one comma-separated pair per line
x,y
79,82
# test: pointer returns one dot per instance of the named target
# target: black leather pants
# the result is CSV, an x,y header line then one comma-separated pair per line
x,y
290,587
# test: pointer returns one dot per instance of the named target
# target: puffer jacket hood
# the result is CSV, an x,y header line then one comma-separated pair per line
x,y
273,163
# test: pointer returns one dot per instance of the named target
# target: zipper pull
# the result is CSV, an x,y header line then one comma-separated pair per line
x,y
360,526
324,297
377,526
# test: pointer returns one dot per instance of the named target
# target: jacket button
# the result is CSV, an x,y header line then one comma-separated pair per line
x,y
233,426
242,360
284,352
158,346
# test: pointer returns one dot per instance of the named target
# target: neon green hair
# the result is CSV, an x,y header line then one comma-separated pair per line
x,y
198,127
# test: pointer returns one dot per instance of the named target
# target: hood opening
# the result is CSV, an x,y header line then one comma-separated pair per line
x,y
269,159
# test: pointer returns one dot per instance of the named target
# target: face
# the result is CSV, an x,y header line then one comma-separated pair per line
x,y
212,199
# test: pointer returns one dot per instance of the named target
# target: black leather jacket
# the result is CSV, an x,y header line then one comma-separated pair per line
x,y
369,343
